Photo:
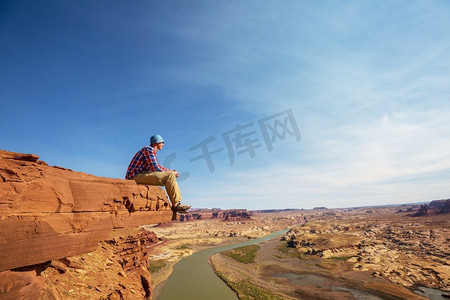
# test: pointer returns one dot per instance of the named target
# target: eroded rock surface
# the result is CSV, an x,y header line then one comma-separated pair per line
x,y
225,215
116,269
406,250
50,213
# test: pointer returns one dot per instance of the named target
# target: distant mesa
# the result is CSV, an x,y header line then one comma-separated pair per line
x,y
423,211
225,215
441,206
269,211
435,207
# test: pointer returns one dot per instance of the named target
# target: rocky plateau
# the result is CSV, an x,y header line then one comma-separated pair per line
x,y
384,252
57,225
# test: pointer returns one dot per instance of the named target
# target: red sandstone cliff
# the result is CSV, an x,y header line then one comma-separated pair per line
x,y
51,213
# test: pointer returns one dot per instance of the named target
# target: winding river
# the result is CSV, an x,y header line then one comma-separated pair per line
x,y
193,277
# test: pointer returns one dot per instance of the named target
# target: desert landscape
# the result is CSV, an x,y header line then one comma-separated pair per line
x,y
71,235
224,150
393,252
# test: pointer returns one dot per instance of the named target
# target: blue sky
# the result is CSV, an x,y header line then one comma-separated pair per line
x,y
84,84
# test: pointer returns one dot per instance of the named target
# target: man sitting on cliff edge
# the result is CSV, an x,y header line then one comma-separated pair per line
x,y
145,169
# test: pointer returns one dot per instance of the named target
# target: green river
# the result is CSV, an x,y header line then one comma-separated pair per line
x,y
193,277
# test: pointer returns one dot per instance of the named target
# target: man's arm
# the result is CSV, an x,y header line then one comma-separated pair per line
x,y
150,156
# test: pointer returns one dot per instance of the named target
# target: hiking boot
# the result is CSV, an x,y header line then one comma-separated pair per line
x,y
181,208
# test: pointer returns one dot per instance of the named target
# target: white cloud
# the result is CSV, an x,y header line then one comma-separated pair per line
x,y
370,95
403,157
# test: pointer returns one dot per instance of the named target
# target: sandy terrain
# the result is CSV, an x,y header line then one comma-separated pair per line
x,y
181,239
376,253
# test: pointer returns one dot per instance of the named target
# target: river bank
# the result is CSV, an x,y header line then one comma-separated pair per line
x,y
281,274
193,277
381,252
179,240
352,254
174,254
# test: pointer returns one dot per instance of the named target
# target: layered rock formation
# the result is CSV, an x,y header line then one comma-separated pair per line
x,y
408,251
116,269
226,215
49,213
236,215
435,207
440,206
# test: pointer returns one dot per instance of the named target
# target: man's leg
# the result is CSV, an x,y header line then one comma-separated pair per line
x,y
167,179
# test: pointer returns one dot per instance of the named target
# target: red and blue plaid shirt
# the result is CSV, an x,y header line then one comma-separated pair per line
x,y
144,161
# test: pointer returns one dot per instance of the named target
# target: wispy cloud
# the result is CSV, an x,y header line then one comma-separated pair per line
x,y
367,82
401,157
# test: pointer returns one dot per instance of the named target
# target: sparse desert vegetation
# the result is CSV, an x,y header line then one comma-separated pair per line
x,y
381,253
245,255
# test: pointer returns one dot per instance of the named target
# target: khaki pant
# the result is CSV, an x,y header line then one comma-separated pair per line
x,y
167,179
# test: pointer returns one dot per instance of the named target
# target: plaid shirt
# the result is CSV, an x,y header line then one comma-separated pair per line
x,y
144,162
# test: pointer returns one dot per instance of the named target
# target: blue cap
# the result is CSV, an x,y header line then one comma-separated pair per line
x,y
155,139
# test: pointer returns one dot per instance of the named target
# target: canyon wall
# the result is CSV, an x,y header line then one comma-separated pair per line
x,y
50,213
